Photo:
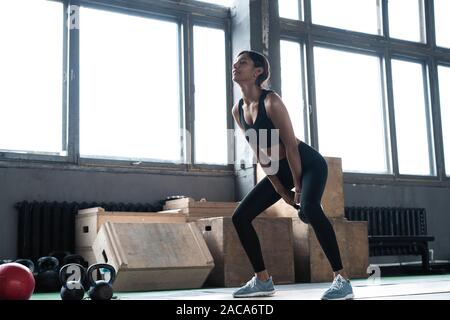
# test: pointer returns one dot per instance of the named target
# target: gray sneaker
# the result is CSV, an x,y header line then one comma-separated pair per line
x,y
255,288
341,289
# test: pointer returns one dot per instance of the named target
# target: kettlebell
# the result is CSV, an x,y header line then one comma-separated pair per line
x,y
59,254
301,214
76,258
101,289
27,263
47,278
72,287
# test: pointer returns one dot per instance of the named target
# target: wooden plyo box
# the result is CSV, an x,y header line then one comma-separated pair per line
x,y
332,199
195,210
154,256
311,264
87,254
89,221
232,266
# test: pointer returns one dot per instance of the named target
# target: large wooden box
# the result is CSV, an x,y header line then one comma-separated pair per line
x,y
87,253
232,266
332,199
89,221
311,264
154,256
195,210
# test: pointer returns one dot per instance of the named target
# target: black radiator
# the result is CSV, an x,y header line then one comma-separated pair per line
x,y
44,227
394,230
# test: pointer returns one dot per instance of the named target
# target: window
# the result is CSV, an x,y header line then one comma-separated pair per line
x,y
129,87
226,3
289,9
442,21
292,86
444,84
210,96
406,20
31,76
355,15
411,118
350,112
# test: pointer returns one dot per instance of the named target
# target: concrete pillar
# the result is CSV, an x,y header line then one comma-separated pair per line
x,y
255,26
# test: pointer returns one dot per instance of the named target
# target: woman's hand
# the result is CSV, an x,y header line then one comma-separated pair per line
x,y
286,195
297,195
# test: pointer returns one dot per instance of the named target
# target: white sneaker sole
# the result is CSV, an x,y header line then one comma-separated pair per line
x,y
347,297
255,294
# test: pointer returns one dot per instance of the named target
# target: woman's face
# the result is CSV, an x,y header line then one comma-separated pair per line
x,y
244,69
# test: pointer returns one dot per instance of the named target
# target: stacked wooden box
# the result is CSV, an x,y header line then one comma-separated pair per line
x,y
89,221
232,266
154,256
195,210
311,264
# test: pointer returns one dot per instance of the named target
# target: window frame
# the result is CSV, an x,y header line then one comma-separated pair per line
x,y
185,13
383,98
445,172
423,62
387,48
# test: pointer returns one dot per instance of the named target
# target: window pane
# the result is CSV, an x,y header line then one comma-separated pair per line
x,y
31,75
442,20
350,110
292,85
129,88
444,84
406,20
410,118
288,9
355,15
210,96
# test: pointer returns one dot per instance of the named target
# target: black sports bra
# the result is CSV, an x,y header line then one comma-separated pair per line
x,y
262,121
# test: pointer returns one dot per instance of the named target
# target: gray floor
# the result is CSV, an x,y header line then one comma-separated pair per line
x,y
433,287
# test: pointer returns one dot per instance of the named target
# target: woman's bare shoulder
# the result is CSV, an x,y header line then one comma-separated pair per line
x,y
273,103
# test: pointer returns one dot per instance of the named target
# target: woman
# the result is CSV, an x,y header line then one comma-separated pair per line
x,y
299,166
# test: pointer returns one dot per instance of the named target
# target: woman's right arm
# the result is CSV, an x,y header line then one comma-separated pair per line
x,y
278,186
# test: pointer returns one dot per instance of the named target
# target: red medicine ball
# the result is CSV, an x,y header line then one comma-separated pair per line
x,y
16,282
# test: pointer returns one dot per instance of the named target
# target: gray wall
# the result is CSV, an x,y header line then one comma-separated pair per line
x,y
17,184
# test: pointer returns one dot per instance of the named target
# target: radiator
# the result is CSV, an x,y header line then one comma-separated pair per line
x,y
387,221
44,227
391,221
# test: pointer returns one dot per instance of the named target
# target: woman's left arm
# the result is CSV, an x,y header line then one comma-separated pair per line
x,y
277,112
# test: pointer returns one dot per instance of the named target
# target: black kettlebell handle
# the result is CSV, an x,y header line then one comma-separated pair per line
x,y
47,263
97,266
74,258
301,214
26,262
59,254
63,273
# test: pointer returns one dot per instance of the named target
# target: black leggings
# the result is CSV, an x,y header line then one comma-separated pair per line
x,y
263,195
